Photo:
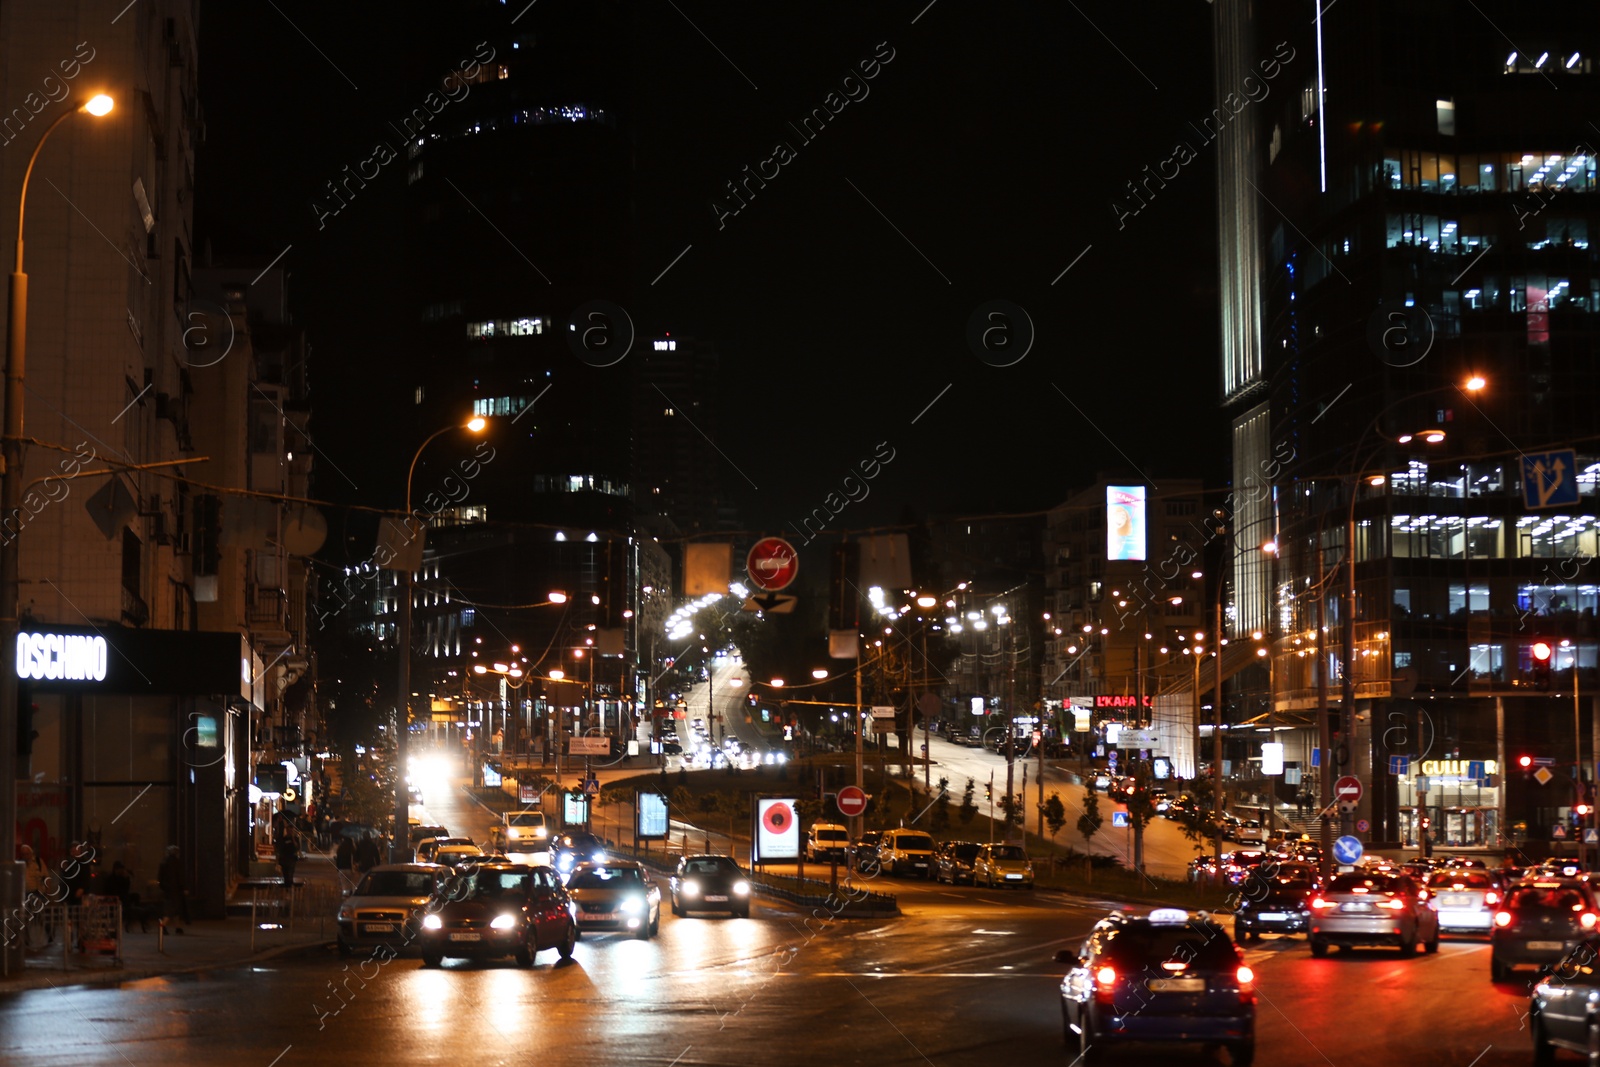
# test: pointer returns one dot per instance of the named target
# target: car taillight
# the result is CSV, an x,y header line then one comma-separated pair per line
x,y
1246,976
1491,897
1105,981
1586,920
1502,918
1392,904
1319,903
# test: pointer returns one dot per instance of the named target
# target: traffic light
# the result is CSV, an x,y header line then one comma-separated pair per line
x,y
988,792
1580,810
1525,762
1541,665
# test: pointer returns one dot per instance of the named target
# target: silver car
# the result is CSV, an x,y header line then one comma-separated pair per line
x,y
1466,899
386,907
1373,908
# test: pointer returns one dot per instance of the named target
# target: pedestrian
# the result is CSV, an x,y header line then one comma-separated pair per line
x,y
35,874
173,899
344,856
288,851
367,855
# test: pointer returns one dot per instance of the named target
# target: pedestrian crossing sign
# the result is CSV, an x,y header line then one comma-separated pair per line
x,y
1591,836
1558,832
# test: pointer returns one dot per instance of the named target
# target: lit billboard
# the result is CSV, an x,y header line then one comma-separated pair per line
x,y
1125,522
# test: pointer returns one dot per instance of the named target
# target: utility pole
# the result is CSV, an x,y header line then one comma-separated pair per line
x,y
1216,746
1324,726
1011,725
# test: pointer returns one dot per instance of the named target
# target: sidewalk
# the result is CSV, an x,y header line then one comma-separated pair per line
x,y
205,944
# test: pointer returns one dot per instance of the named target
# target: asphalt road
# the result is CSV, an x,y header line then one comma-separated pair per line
x,y
964,977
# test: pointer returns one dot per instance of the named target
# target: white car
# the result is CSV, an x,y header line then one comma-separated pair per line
x,y
527,832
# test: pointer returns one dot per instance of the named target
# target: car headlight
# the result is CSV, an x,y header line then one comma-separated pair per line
x,y
691,888
503,922
347,914
513,832
632,906
541,832
432,922
599,857
741,889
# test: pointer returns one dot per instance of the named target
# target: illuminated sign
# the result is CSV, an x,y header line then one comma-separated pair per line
x,y
777,835
72,657
506,328
1272,757
1122,702
652,811
1456,768
1125,522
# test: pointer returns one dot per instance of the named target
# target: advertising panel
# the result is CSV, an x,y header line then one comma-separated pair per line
x,y
1125,529
652,809
777,835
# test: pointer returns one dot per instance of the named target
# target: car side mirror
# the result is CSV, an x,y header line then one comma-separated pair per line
x,y
1068,957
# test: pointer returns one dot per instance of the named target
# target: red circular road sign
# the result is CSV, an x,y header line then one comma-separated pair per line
x,y
772,564
1347,790
851,801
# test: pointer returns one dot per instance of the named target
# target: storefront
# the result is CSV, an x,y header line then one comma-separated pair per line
x,y
140,739
1461,808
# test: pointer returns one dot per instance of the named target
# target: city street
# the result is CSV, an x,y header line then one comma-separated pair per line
x,y
965,977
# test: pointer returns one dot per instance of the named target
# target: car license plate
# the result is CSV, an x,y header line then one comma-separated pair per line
x,y
378,928
1545,946
1355,907
1272,916
466,937
1176,985
716,900
600,916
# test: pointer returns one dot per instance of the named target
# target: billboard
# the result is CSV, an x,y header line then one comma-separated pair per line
x,y
1125,530
652,810
777,835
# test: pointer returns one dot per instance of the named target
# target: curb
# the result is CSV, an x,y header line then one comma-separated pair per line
x,y
118,976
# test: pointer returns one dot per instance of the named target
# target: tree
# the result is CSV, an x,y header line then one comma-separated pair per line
x,y
940,820
968,810
1055,815
1014,808
1089,824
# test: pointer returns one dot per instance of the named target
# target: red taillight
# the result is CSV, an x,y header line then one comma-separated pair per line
x,y
1105,980
1319,903
1491,897
1392,904
1586,920
1246,976
1502,918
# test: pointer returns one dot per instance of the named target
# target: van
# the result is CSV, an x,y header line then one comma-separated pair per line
x,y
826,842
527,831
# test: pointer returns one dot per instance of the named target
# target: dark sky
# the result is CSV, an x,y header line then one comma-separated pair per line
x,y
983,160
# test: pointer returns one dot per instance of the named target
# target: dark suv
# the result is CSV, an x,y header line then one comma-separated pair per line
x,y
1163,977
1541,921
952,862
1275,899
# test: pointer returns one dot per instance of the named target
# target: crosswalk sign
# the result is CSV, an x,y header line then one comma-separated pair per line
x,y
1591,836
1558,832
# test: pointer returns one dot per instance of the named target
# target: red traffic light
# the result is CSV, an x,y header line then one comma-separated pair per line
x,y
1580,809
1541,651
1524,762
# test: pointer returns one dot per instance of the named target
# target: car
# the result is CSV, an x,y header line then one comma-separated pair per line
x,y
616,895
423,831
1160,978
385,907
906,852
1561,1005
952,861
1275,899
863,852
671,747
709,883
570,850
1161,799
527,831
1372,907
1202,869
1238,863
496,910
413,795
827,841
1102,782
427,847
1539,922
998,864
458,855
1466,899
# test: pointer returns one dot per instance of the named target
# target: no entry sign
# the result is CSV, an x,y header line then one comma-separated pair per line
x,y
1347,790
851,801
772,564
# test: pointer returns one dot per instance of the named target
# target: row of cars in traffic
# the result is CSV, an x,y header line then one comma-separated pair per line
x,y
915,854
532,890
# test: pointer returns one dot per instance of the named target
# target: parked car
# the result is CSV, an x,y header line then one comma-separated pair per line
x,y
459,855
906,852
1373,908
827,841
616,895
952,861
1000,864
1540,922
1202,993
863,852
710,883
500,909
385,907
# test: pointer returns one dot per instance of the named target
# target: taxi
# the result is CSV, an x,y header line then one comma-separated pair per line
x,y
1162,978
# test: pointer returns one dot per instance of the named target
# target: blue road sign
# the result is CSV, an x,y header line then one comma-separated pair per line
x,y
1475,769
1550,479
1400,765
1347,850
1591,836
1120,818
1316,757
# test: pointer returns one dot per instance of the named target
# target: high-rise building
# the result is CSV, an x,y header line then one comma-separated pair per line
x,y
1410,305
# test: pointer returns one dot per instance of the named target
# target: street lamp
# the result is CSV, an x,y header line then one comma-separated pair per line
x,y
11,490
399,845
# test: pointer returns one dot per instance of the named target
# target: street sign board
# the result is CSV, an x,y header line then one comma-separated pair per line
x,y
771,603
1591,836
1558,832
1400,765
1475,770
1120,818
772,564
883,711
851,801
1422,783
1362,826
1549,479
1347,850
1347,789
1543,776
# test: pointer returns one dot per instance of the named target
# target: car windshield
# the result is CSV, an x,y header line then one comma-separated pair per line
x,y
914,842
395,884
833,835
1008,852
498,884
1364,883
967,852
525,818
711,865
1141,945
1547,898
1461,880
607,878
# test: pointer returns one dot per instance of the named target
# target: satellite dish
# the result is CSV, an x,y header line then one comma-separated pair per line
x,y
304,530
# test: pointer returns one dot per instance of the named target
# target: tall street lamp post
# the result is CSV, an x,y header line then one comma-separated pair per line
x,y
399,845
11,489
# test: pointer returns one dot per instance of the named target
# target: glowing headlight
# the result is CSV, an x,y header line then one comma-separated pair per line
x,y
347,914
432,922
691,888
599,857
632,906
741,889
513,832
540,832
503,922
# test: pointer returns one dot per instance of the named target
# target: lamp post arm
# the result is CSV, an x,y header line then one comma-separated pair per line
x,y
22,198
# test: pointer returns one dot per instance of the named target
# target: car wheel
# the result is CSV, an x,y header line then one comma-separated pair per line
x,y
431,959
1409,946
1319,947
1544,1053
344,947
744,912
1243,1053
1498,972
1089,1047
677,909
566,946
525,956
655,924
1433,943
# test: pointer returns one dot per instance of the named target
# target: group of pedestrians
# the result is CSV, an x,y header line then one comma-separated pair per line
x,y
78,878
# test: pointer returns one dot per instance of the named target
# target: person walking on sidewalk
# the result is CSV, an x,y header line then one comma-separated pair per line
x,y
36,901
367,855
170,877
288,852
344,856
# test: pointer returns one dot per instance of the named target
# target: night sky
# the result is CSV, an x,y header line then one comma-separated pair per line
x,y
979,162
